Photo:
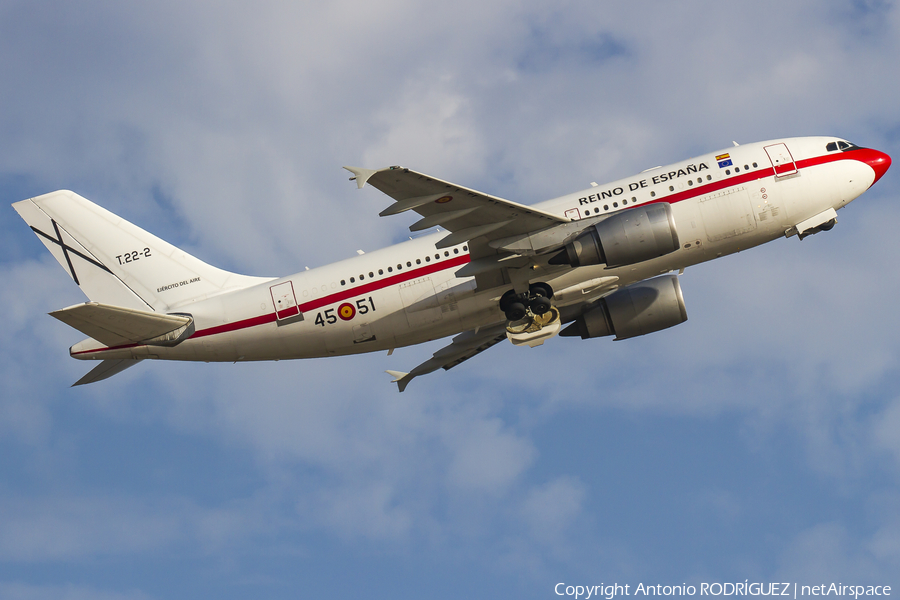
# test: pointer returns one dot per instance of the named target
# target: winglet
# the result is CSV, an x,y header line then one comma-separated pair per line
x,y
360,175
400,378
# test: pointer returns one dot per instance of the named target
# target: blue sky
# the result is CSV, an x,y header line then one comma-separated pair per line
x,y
760,440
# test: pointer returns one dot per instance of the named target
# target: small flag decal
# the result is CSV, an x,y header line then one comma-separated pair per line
x,y
724,160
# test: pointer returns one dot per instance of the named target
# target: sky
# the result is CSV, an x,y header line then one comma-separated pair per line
x,y
759,441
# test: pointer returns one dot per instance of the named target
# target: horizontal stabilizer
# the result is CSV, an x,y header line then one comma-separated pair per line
x,y
107,369
400,378
115,325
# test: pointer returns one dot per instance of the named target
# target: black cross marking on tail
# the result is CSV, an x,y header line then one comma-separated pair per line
x,y
67,249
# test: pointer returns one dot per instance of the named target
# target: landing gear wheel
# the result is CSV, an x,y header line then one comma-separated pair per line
x,y
540,305
828,226
540,289
507,299
515,311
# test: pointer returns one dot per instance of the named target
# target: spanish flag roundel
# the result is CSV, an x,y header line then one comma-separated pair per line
x,y
346,311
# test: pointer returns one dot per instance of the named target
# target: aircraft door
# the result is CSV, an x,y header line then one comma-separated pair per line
x,y
285,303
781,159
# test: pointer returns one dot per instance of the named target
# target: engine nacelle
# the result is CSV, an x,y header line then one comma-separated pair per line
x,y
625,238
634,310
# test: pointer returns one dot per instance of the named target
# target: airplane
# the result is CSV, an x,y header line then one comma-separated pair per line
x,y
603,261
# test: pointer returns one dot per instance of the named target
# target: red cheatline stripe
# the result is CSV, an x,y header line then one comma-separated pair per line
x,y
759,173
122,347
358,290
320,302
367,288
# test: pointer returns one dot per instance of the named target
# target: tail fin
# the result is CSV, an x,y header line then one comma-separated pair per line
x,y
120,264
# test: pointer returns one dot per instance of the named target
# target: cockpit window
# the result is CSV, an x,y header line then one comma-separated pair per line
x,y
840,145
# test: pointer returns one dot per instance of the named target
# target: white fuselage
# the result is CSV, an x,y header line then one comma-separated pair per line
x,y
409,293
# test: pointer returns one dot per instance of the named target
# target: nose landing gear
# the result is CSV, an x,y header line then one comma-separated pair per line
x,y
532,317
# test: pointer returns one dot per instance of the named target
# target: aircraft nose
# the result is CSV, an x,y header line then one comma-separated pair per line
x,y
879,161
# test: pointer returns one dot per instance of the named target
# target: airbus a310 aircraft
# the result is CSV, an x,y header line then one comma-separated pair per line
x,y
605,261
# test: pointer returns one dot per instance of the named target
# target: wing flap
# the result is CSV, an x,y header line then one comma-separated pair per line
x,y
116,325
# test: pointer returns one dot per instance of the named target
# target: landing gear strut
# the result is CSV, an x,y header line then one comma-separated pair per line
x,y
532,317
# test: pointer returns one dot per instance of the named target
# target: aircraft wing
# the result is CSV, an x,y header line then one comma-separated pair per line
x,y
462,348
467,214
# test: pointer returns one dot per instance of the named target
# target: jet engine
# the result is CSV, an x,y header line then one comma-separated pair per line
x,y
625,238
634,310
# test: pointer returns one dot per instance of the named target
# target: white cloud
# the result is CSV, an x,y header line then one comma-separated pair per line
x,y
223,128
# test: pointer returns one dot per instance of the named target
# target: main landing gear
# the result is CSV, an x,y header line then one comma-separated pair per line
x,y
532,317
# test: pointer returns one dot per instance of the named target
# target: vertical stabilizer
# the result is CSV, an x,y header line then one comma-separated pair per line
x,y
117,263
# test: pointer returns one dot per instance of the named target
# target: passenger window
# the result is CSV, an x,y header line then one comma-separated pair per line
x,y
352,280
755,165
728,171
361,277
418,261
606,207
615,205
709,177
671,188
390,269
624,202
343,282
456,251
408,264
427,259
371,274
690,182
380,272
746,168
653,194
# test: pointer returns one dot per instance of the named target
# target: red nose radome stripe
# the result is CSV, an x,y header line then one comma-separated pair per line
x,y
879,161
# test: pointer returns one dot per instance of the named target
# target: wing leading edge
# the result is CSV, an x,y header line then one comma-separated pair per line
x,y
466,213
